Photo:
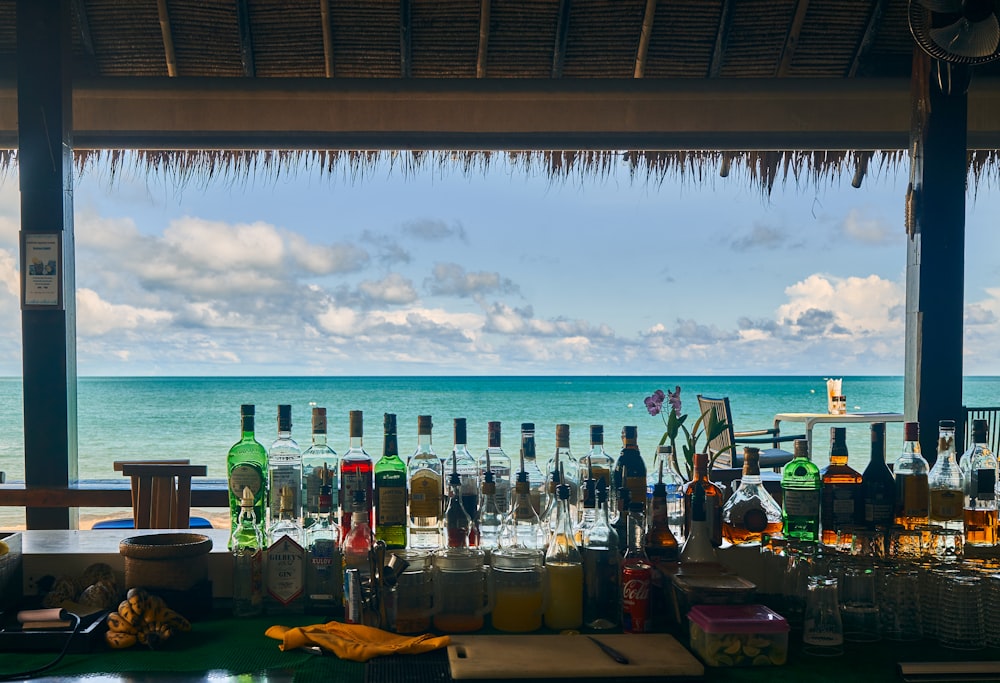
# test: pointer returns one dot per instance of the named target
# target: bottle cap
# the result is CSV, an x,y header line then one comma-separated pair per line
x,y
751,460
800,448
562,436
460,431
493,433
424,425
630,433
248,409
527,426
946,424
911,431
878,432
389,423
319,421
562,491
284,418
597,434
980,428
356,424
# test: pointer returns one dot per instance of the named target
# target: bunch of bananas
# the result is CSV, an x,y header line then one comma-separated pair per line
x,y
143,618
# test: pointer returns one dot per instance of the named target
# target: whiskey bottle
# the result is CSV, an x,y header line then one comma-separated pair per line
x,y
498,462
468,471
284,462
246,467
878,488
426,487
355,475
750,512
800,488
390,489
841,505
700,485
944,481
980,512
324,582
320,467
285,564
912,492
248,545
630,468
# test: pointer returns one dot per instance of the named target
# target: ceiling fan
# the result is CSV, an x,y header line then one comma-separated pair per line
x,y
957,31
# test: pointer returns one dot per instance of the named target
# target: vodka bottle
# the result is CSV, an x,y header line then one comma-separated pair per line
x,y
390,489
463,461
426,485
324,581
912,493
246,467
355,475
320,466
498,462
284,465
601,571
285,568
248,545
944,481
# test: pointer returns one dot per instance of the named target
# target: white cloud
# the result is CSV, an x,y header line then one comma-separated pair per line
x,y
451,279
392,289
96,316
872,230
852,306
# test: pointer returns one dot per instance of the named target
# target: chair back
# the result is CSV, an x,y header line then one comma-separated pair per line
x,y
161,491
992,417
720,406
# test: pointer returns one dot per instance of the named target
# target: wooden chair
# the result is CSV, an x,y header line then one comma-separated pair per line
x,y
773,457
161,491
992,417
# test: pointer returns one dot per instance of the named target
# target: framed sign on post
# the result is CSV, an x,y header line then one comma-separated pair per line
x,y
41,270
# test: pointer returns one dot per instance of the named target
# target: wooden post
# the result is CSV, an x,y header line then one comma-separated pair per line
x,y
48,301
935,255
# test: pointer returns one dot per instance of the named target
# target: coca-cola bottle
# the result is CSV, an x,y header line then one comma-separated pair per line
x,y
637,575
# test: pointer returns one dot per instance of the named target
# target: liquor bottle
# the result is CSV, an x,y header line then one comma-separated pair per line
x,y
468,471
390,489
800,495
355,552
521,526
588,503
944,481
664,470
248,545
878,487
246,467
661,544
284,465
569,469
355,475
536,479
499,462
285,564
698,545
841,505
598,464
601,568
324,582
702,485
426,486
457,523
980,512
636,574
912,493
620,524
550,513
490,518
630,468
750,512
563,570
320,467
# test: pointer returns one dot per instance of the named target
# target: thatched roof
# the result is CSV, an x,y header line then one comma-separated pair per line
x,y
497,39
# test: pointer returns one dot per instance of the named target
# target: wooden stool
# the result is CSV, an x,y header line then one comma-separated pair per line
x,y
161,491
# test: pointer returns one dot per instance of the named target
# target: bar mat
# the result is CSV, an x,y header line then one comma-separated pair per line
x,y
430,667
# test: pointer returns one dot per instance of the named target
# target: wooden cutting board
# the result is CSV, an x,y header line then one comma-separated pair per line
x,y
570,656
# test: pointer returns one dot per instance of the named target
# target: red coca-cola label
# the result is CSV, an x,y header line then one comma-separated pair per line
x,y
635,598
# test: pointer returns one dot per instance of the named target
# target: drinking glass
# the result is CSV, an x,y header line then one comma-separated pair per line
x,y
961,618
858,609
948,544
823,630
868,543
904,544
899,604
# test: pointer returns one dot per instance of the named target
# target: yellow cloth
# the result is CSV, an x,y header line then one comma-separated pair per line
x,y
354,641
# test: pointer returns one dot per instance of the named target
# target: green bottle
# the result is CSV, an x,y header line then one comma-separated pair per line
x,y
246,467
800,486
390,490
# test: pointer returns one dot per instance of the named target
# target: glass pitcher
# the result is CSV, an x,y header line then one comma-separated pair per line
x,y
413,594
519,589
462,590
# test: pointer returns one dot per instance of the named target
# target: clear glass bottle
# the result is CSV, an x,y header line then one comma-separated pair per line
x,y
320,467
468,470
750,512
630,468
564,570
980,512
800,495
698,546
598,464
601,568
426,486
588,503
713,496
248,545
841,505
522,528
490,518
355,553
564,460
912,492
284,465
390,489
549,514
878,487
285,564
637,574
355,475
246,467
944,481
498,462
457,523
529,465
324,582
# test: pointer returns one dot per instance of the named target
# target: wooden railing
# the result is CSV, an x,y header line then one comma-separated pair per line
x,y
109,493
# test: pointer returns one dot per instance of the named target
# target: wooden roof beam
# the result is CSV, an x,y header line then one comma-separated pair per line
x,y
792,38
246,38
721,38
324,13
865,44
644,37
86,40
405,39
562,37
168,37
484,38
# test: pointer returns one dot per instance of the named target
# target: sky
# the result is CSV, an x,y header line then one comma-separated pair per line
x,y
498,271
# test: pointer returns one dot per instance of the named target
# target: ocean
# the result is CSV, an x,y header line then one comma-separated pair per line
x,y
123,418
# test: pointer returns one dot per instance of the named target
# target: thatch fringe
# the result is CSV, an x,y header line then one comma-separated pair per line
x,y
761,169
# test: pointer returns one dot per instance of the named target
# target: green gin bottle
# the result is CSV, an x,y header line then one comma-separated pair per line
x,y
390,490
246,467
800,486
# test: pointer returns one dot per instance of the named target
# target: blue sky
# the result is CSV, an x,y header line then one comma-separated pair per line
x,y
495,272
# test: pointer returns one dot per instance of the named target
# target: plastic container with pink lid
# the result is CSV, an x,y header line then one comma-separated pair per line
x,y
738,635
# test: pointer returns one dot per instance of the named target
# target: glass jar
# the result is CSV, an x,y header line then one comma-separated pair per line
x,y
462,590
519,589
414,592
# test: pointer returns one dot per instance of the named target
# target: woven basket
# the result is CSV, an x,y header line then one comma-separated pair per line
x,y
175,561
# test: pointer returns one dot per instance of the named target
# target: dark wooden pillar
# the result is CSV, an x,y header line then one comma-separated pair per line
x,y
935,256
48,301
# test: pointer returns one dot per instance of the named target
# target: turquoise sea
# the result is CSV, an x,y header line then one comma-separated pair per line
x,y
198,417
